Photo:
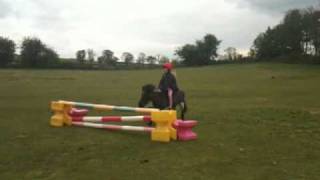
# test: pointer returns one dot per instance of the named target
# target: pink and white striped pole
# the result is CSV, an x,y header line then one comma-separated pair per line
x,y
114,127
100,119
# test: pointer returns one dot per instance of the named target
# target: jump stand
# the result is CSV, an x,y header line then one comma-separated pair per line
x,y
184,130
167,127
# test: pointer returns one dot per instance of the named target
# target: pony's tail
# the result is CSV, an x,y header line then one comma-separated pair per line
x,y
184,107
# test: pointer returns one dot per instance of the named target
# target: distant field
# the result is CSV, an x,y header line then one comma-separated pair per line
x,y
256,121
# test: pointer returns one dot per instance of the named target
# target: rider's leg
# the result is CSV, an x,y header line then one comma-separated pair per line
x,y
170,93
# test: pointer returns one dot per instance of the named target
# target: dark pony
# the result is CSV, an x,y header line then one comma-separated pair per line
x,y
160,100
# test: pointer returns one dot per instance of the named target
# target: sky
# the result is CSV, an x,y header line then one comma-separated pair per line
x,y
149,26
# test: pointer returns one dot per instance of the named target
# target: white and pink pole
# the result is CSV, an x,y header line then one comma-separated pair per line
x,y
114,127
79,118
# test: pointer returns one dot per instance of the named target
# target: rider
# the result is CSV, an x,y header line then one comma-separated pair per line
x,y
168,83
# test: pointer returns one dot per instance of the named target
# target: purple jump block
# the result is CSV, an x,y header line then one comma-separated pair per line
x,y
78,112
184,130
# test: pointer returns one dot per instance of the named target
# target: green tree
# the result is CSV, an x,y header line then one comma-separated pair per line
x,y
189,54
273,43
81,56
297,34
100,60
36,54
91,55
202,53
114,60
311,32
49,57
292,28
141,58
7,50
151,59
107,54
231,53
208,48
127,57
266,45
108,58
252,53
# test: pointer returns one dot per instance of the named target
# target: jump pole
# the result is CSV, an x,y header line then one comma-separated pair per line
x,y
167,126
104,119
163,120
114,127
62,117
104,107
80,115
184,128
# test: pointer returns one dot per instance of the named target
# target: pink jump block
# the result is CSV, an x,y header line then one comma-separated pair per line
x,y
184,130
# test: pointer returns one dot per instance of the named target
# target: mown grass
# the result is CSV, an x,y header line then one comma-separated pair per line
x,y
256,121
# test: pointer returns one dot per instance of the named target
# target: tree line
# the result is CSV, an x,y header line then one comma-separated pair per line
x,y
203,52
108,58
297,36
295,39
34,53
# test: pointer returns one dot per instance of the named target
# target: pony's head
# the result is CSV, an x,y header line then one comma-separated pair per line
x,y
146,94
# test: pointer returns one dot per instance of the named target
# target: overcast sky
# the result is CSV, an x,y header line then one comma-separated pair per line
x,y
150,26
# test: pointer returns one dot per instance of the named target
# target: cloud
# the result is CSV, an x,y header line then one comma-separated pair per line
x,y
5,9
275,6
153,27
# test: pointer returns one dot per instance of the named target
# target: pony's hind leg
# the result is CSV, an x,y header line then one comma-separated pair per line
x,y
181,110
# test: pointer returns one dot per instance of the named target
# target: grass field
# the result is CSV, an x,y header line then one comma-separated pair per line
x,y
256,121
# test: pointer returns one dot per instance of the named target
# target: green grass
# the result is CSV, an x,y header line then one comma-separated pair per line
x,y
251,126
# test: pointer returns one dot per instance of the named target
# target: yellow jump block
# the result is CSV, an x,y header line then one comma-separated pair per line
x,y
163,131
60,116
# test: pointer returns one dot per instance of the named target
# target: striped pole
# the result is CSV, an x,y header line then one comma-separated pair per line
x,y
100,119
114,127
109,107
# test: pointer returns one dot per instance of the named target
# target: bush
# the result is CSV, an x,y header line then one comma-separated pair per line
x,y
7,50
36,54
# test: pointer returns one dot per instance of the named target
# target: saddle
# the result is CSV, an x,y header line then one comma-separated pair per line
x,y
157,90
